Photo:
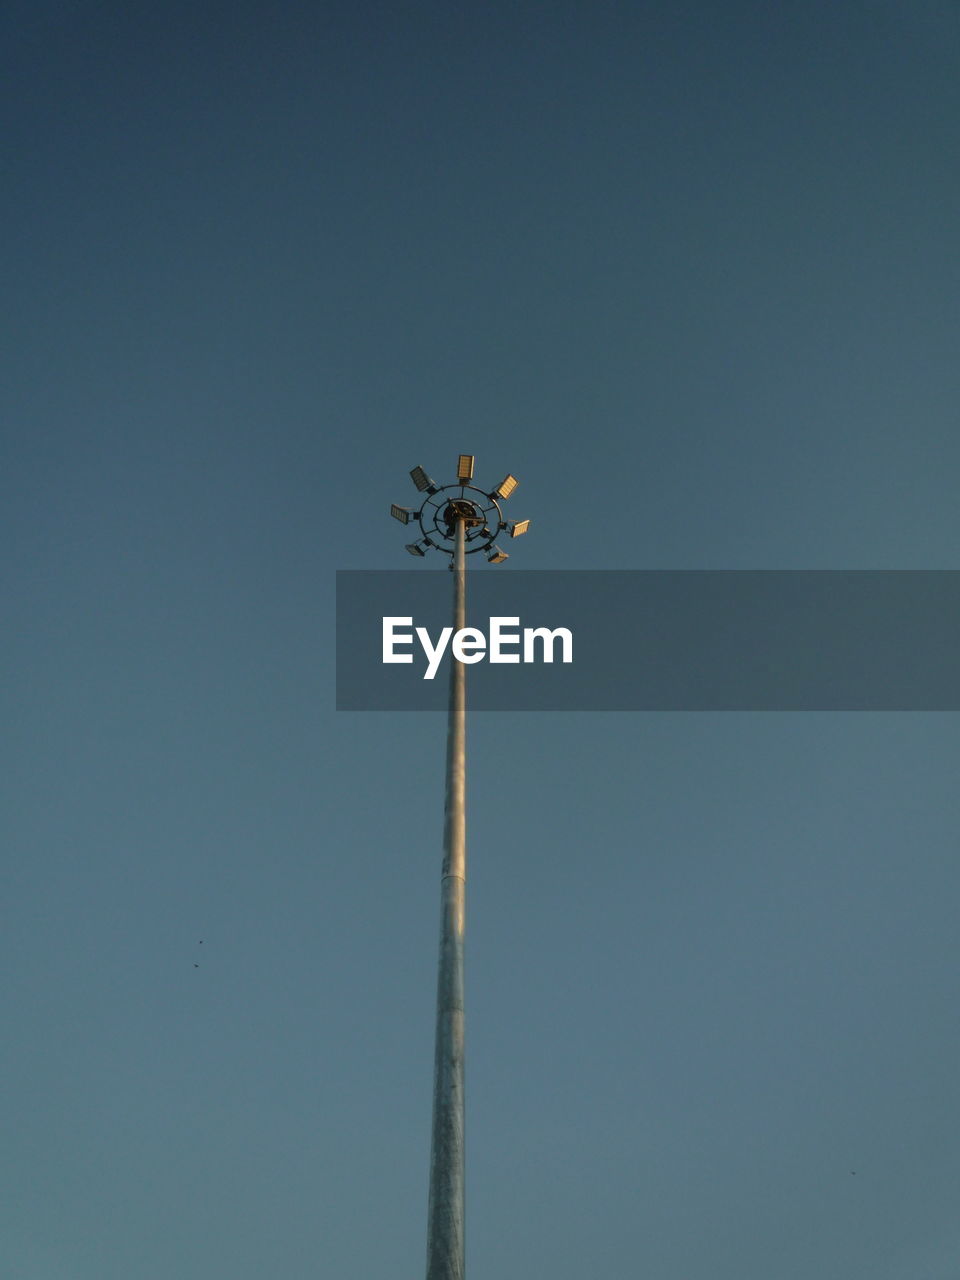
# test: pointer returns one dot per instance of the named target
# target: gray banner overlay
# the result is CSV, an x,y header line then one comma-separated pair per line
x,y
671,640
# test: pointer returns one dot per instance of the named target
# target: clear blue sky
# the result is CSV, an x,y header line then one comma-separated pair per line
x,y
691,272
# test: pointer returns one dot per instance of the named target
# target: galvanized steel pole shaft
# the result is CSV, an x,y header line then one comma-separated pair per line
x,y
445,1224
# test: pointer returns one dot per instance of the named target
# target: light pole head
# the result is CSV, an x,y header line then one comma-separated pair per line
x,y
446,506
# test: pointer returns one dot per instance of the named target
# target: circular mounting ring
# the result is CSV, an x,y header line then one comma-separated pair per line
x,y
438,515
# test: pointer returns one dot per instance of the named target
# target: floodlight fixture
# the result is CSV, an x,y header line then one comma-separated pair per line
x,y
422,480
460,506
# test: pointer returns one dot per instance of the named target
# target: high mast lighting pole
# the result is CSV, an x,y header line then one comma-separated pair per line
x,y
458,519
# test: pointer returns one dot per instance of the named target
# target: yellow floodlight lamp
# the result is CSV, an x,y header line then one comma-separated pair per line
x,y
505,487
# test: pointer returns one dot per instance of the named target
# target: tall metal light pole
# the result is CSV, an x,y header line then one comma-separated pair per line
x,y
459,524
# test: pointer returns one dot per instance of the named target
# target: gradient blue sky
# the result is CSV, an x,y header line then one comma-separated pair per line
x,y
691,272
